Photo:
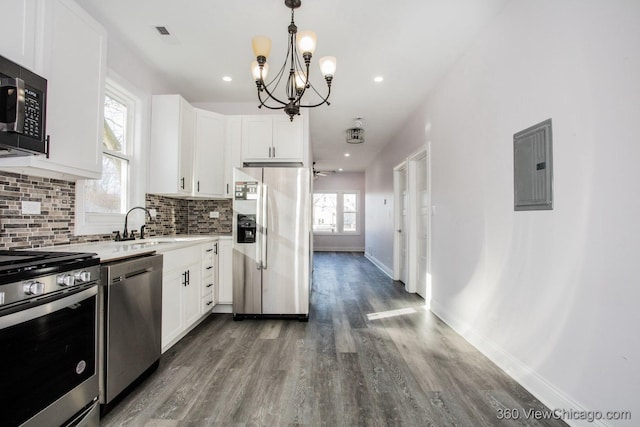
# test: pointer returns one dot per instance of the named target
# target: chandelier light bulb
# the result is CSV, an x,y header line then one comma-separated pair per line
x,y
307,42
301,81
261,46
255,70
327,66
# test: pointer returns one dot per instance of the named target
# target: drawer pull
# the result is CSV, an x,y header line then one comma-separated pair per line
x,y
209,285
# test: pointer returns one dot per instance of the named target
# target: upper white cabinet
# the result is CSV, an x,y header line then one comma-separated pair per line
x,y
209,162
172,146
272,139
70,52
187,153
18,32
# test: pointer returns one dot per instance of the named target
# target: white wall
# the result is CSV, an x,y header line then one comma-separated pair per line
x,y
342,181
552,296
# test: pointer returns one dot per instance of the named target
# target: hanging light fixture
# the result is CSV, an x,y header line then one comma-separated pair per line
x,y
297,81
355,135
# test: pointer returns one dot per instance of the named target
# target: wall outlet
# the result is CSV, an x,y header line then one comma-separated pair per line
x,y
153,213
214,214
31,208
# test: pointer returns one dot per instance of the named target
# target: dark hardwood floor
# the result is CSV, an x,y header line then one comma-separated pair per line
x,y
348,366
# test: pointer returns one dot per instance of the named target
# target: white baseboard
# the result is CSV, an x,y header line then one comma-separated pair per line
x,y
337,249
542,389
222,308
386,270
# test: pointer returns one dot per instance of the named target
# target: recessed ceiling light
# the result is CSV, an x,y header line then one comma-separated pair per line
x,y
378,79
340,170
227,78
347,154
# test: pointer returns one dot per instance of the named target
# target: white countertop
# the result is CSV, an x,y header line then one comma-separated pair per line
x,y
111,250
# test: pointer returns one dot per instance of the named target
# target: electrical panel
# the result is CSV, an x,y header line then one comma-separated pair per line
x,y
533,167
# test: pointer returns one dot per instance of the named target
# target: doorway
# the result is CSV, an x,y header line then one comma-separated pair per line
x,y
401,242
413,224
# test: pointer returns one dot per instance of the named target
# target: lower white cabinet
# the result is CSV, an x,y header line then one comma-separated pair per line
x,y
225,270
181,293
209,279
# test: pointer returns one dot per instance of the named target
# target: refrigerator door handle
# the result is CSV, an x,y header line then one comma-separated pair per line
x,y
259,229
265,228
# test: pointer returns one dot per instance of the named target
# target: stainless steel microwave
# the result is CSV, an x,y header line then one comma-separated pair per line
x,y
23,110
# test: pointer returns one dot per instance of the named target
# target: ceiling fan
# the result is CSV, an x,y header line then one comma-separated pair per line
x,y
319,173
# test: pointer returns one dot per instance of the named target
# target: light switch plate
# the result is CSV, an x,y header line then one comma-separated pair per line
x,y
31,208
214,214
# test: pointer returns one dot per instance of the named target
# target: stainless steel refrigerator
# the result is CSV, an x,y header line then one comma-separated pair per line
x,y
271,242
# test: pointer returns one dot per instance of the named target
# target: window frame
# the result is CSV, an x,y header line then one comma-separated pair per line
x,y
88,223
340,213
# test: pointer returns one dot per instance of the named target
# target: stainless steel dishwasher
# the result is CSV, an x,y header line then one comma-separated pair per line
x,y
130,298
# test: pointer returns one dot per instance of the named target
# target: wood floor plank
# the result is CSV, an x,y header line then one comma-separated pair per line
x,y
370,355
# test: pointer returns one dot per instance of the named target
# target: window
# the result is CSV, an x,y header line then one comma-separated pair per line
x,y
101,204
108,195
336,212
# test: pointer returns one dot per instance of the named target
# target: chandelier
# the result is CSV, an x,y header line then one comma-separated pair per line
x,y
297,80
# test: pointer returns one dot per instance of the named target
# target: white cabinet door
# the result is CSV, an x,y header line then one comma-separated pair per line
x,y
18,32
233,152
172,284
191,294
209,161
225,269
257,138
172,145
181,293
287,139
186,143
74,62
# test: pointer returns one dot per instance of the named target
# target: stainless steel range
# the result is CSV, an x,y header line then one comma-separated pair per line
x,y
48,338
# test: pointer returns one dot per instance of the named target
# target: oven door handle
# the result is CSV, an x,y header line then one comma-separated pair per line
x,y
48,308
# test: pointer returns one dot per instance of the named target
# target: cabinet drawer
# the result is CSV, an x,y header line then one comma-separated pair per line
x,y
207,303
208,286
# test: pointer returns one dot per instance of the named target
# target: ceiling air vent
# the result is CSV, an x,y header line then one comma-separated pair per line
x,y
355,135
163,31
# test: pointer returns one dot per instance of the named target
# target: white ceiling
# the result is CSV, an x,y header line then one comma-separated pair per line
x,y
411,43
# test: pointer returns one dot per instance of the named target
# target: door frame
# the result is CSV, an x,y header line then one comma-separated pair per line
x,y
398,171
409,166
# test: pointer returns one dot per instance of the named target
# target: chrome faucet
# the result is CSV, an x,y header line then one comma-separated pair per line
x,y
131,236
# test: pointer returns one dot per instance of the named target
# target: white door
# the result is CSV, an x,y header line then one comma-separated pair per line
x,y
404,227
422,235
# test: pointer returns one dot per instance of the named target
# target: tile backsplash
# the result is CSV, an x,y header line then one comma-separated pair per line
x,y
178,216
55,224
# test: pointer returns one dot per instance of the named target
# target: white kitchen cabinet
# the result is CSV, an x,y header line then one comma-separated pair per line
x,y
181,293
233,152
225,271
209,276
19,31
70,52
172,146
209,157
187,150
272,139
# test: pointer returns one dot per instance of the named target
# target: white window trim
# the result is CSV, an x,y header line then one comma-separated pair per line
x,y
89,224
340,213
